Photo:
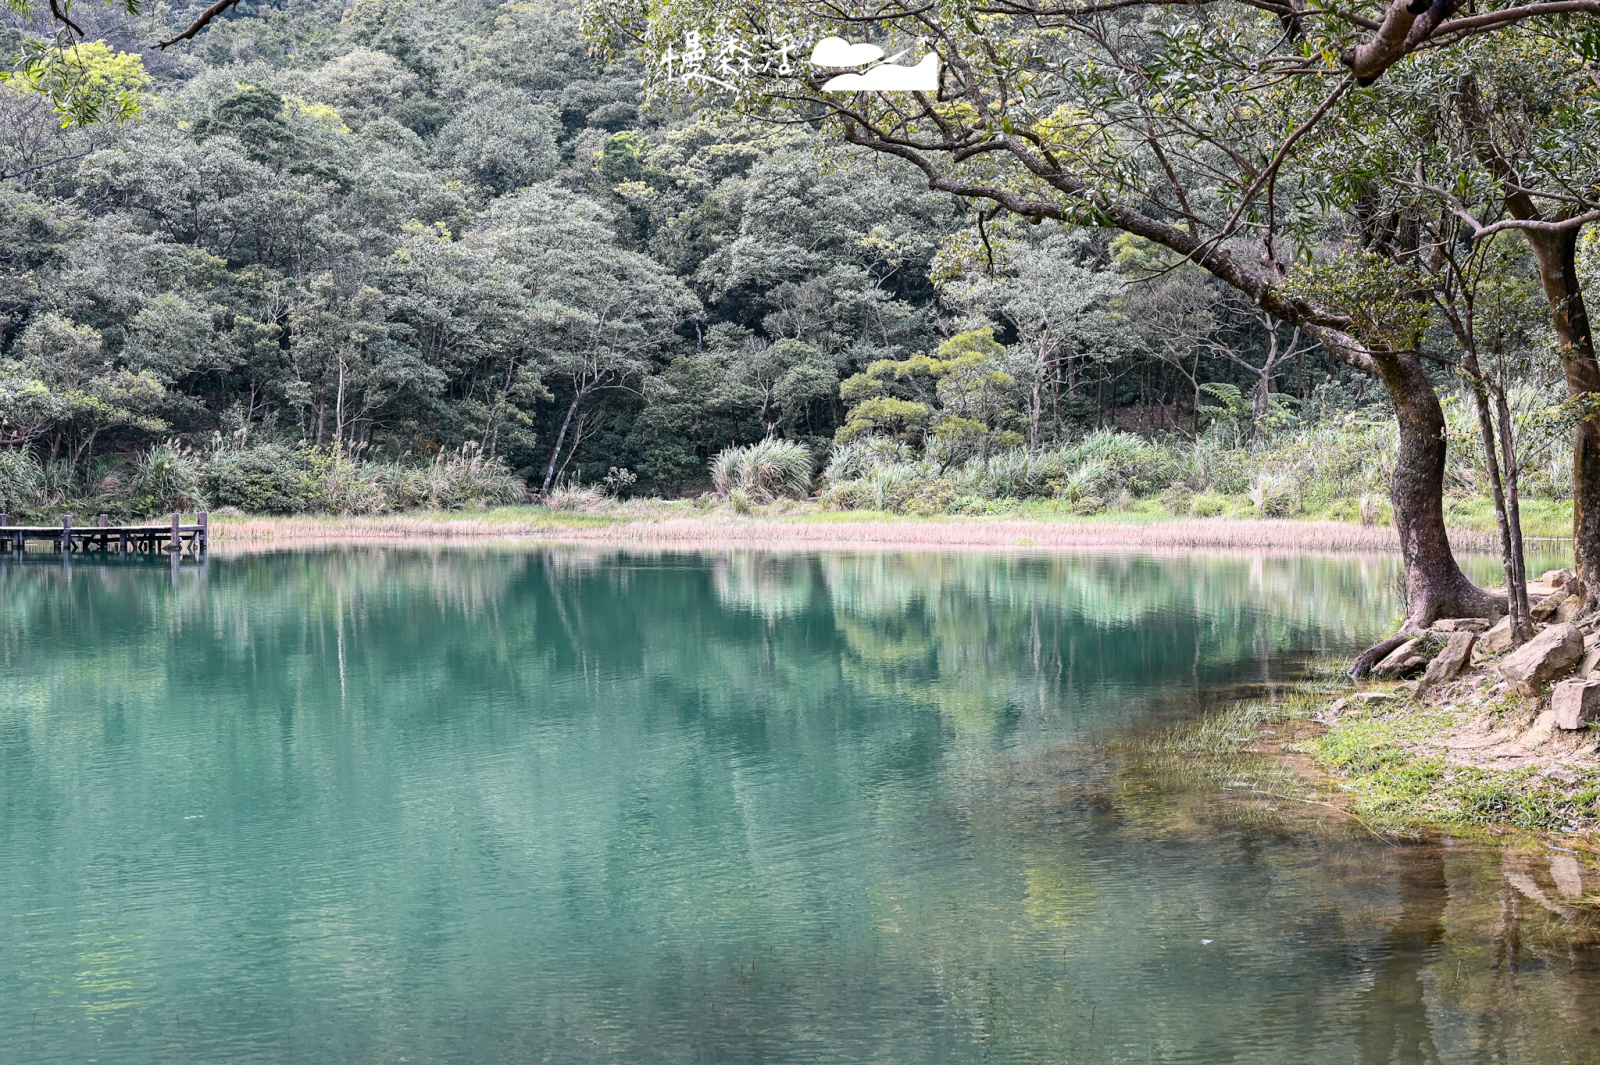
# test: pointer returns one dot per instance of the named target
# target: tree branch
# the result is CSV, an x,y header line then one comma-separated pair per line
x,y
1409,24
197,25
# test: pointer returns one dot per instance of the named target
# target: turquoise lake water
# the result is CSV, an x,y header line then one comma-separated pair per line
x,y
513,805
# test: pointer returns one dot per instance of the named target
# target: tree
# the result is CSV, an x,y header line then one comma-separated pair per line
x,y
1480,302
345,365
471,316
1436,163
603,314
500,141
85,81
785,378
957,404
1165,123
1064,312
63,388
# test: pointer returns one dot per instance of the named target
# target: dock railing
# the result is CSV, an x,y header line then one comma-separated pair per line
x,y
173,537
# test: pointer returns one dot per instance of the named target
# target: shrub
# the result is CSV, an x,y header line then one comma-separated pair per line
x,y
1208,504
167,478
1131,462
935,497
264,479
464,478
851,461
336,483
21,480
573,496
768,470
1275,495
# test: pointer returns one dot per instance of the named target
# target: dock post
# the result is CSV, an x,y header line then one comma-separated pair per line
x,y
5,542
204,537
176,545
104,537
66,533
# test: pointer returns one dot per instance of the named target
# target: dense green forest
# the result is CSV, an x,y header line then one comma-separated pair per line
x,y
353,257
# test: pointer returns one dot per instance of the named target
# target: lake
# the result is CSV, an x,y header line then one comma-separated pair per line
x,y
578,805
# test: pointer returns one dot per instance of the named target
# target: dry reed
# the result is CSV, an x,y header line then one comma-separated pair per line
x,y
756,531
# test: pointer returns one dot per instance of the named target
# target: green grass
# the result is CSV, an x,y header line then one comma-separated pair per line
x,y
1399,778
1540,517
1386,759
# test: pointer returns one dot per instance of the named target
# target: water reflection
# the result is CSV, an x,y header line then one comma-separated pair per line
x,y
576,806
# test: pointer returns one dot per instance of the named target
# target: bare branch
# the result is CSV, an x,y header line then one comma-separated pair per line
x,y
1538,225
60,15
198,24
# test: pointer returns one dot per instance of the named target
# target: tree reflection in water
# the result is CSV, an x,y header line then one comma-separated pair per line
x,y
578,806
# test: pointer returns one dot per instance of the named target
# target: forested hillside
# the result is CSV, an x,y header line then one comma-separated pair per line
x,y
351,257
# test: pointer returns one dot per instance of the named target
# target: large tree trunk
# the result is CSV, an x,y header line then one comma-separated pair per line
x,y
1555,253
1435,586
1556,256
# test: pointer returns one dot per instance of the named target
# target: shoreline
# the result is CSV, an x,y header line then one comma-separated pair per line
x,y
1466,759
802,529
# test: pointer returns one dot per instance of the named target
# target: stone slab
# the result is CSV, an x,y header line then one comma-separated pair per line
x,y
1575,703
1549,655
1451,660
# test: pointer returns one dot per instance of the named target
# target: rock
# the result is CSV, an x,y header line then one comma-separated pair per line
x,y
1544,658
1576,703
1403,661
1546,608
1497,639
1462,624
1556,577
1370,698
1569,609
1591,659
1448,663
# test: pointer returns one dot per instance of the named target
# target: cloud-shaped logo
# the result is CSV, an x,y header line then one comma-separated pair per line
x,y
924,77
838,52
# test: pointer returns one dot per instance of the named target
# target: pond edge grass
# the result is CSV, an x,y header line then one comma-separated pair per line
x,y
1380,762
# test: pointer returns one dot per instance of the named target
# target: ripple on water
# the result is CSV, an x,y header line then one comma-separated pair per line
x,y
576,806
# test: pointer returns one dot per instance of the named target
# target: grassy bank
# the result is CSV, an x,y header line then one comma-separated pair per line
x,y
1469,759
803,524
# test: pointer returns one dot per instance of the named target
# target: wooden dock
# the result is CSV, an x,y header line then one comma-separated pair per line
x,y
173,537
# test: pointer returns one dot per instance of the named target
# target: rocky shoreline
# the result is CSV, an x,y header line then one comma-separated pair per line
x,y
1457,727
